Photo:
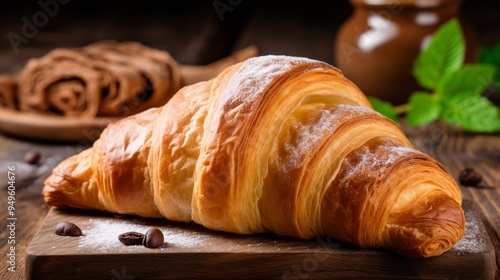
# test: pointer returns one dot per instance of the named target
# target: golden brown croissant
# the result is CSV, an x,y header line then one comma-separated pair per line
x,y
274,144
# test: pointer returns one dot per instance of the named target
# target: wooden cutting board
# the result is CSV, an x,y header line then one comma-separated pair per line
x,y
190,251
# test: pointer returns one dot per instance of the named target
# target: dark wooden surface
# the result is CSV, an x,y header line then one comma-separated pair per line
x,y
196,35
262,256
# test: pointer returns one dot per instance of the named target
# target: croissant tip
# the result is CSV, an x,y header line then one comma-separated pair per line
x,y
53,197
433,248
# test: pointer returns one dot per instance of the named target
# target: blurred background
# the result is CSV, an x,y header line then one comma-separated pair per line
x,y
196,32
200,32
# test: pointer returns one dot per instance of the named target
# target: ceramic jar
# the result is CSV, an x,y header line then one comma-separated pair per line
x,y
377,46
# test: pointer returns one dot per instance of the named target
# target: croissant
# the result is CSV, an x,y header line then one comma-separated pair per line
x,y
274,144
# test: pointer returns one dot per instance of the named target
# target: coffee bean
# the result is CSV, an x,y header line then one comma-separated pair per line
x,y
469,177
32,157
68,229
153,238
131,238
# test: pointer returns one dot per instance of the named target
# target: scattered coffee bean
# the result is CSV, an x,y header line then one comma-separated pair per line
x,y
68,229
32,157
131,238
469,177
153,238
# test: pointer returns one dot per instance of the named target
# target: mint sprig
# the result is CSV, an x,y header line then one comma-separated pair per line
x,y
455,90
445,53
385,108
492,56
472,113
429,109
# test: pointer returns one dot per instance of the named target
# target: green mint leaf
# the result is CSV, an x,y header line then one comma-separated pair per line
x,y
445,53
492,56
423,109
385,108
472,79
473,113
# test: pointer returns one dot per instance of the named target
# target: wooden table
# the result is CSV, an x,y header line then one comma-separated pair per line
x,y
279,29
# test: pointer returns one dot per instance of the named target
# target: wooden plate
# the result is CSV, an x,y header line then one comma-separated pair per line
x,y
193,252
51,128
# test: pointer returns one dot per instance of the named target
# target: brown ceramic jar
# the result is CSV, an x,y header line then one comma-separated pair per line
x,y
377,45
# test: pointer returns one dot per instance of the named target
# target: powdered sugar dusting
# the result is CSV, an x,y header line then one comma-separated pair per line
x,y
101,235
255,75
309,135
473,240
371,161
307,138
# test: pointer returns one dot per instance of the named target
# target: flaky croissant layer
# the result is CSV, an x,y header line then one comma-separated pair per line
x,y
274,144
